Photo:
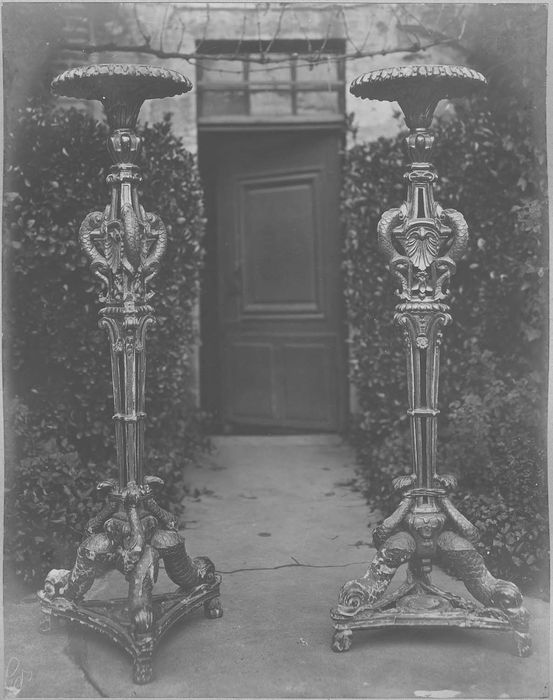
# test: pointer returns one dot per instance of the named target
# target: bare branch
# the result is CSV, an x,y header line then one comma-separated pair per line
x,y
327,37
182,35
163,26
415,33
242,34
147,37
303,59
258,21
305,33
206,25
279,23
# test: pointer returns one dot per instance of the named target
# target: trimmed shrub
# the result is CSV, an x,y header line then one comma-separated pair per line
x,y
59,403
494,368
514,539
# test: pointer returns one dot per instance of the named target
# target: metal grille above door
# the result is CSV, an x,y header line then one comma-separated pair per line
x,y
284,83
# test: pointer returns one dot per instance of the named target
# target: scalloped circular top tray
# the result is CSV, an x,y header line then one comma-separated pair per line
x,y
389,84
107,80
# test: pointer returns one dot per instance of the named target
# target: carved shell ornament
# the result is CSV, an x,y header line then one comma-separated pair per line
x,y
422,245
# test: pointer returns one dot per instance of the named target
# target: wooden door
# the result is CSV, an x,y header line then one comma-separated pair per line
x,y
279,324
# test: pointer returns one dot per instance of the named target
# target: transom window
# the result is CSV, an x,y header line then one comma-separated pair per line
x,y
270,81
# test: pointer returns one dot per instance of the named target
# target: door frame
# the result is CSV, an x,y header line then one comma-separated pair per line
x,y
210,346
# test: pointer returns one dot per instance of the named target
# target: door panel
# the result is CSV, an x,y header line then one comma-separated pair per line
x,y
279,245
280,319
251,384
309,386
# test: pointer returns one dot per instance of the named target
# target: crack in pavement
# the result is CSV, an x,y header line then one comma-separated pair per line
x,y
76,650
295,564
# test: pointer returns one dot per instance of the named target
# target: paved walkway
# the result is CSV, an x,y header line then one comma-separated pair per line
x,y
283,527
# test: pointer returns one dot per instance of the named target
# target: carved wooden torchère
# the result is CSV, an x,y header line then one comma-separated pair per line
x,y
131,533
423,243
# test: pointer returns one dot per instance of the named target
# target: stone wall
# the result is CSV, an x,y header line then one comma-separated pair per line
x,y
364,28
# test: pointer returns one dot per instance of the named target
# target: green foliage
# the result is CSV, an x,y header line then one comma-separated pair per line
x,y
58,383
495,443
514,540
48,496
494,368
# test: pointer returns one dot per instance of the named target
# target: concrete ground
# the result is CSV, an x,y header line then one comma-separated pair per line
x,y
283,526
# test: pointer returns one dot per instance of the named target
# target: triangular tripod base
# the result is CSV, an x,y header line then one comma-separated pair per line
x,y
420,604
111,618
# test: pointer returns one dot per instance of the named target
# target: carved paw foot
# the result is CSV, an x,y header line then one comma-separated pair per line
x,y
523,643
213,609
49,623
142,671
45,626
341,640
